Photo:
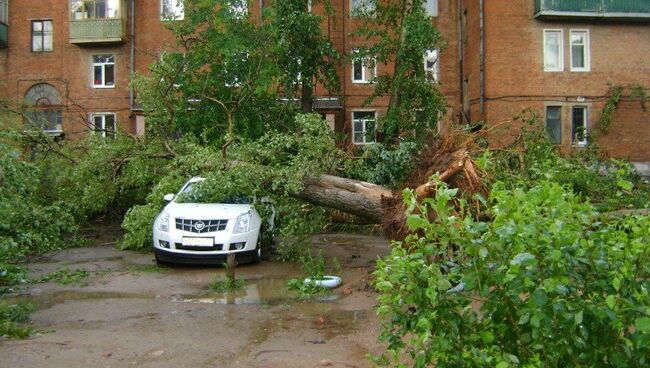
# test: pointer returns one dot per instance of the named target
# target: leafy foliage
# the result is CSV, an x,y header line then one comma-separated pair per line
x,y
609,183
547,283
30,223
12,319
400,32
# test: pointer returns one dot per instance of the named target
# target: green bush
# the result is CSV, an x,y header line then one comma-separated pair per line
x,y
547,283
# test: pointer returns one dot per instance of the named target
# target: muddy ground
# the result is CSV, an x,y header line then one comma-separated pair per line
x,y
134,314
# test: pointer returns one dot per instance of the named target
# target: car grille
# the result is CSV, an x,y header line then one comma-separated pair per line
x,y
207,226
216,247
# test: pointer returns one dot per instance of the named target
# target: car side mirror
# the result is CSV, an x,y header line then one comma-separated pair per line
x,y
168,197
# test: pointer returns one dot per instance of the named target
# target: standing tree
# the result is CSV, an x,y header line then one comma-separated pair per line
x,y
303,53
401,33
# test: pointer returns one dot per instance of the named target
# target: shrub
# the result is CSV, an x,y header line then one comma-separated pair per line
x,y
547,283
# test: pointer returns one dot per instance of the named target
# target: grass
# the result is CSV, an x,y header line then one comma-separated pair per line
x,y
229,284
12,318
65,276
138,268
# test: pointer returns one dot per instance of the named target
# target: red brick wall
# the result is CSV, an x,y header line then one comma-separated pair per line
x,y
515,76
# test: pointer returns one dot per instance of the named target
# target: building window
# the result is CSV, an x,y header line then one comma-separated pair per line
x,y
431,8
4,11
580,51
364,69
104,124
553,51
431,67
44,109
172,10
554,123
363,126
104,71
362,7
95,9
579,126
42,36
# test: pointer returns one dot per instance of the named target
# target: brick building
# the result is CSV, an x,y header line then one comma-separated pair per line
x,y
72,61
560,58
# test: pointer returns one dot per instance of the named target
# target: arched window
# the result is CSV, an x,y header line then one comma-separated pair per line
x,y
44,108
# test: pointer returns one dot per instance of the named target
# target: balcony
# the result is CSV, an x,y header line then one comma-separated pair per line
x,y
97,21
633,10
107,30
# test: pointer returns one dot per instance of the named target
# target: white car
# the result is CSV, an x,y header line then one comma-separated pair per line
x,y
205,233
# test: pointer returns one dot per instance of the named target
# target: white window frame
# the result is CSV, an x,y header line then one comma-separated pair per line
x,y
586,50
177,13
103,66
560,66
362,8
4,11
434,4
367,73
435,70
102,131
363,132
43,36
585,122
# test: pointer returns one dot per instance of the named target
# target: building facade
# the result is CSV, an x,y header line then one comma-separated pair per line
x,y
71,61
560,58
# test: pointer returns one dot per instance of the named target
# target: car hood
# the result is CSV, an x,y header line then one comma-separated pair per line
x,y
207,211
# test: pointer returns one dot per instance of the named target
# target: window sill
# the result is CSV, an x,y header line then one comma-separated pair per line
x,y
580,70
103,87
553,70
361,82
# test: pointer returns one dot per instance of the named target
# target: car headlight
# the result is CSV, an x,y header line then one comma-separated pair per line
x,y
243,223
163,222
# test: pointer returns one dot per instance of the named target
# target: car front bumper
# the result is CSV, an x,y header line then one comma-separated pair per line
x,y
165,255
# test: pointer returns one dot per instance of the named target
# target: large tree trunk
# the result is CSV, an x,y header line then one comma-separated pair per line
x,y
359,198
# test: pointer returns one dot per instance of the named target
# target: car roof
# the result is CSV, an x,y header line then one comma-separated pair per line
x,y
196,179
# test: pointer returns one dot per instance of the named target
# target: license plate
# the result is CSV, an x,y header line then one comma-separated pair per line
x,y
198,242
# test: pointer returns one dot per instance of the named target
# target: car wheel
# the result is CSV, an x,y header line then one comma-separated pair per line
x,y
159,262
258,254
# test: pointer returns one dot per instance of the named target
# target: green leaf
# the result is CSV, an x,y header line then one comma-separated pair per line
x,y
443,284
642,324
616,283
624,184
535,320
502,365
524,319
577,318
522,258
611,301
487,337
483,252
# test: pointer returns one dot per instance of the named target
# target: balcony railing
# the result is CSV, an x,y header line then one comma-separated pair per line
x,y
604,9
97,30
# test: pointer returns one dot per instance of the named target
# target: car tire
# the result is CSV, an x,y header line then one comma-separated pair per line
x,y
257,258
159,262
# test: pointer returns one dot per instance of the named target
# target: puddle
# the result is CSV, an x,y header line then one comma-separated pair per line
x,y
45,301
263,292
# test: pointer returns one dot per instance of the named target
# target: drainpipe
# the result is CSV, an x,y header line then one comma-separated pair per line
x,y
132,61
461,60
482,57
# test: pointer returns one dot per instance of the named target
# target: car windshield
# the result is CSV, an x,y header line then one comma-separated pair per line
x,y
188,195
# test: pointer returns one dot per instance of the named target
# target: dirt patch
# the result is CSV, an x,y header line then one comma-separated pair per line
x,y
132,313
